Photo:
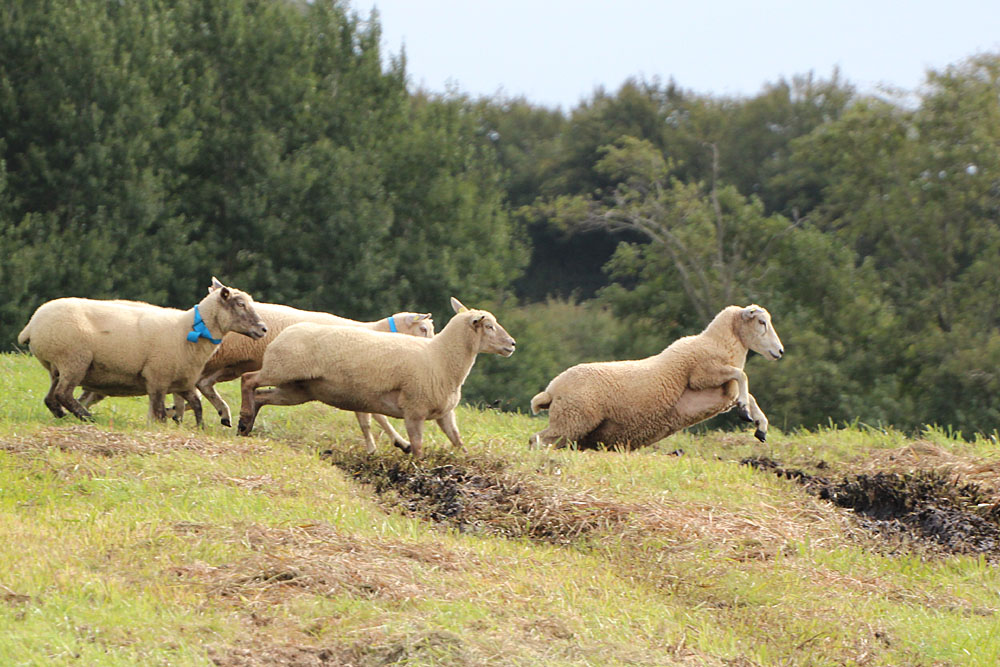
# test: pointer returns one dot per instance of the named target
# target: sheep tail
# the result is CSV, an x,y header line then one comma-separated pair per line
x,y
541,401
24,336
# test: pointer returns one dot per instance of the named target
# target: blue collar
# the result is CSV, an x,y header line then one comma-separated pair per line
x,y
199,330
392,325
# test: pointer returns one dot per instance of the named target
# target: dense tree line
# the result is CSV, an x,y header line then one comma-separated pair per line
x,y
145,146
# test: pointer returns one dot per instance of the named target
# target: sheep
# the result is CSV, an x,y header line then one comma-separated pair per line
x,y
238,355
355,369
121,349
638,402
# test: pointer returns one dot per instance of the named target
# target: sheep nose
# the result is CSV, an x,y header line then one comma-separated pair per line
x,y
263,328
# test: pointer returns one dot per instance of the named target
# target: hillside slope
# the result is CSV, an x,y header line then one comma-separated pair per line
x,y
123,543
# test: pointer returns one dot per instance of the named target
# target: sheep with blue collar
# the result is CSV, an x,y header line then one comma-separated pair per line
x,y
115,348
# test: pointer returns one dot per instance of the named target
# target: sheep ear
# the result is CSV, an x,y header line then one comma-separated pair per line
x,y
225,293
423,316
413,318
750,311
215,285
457,305
477,321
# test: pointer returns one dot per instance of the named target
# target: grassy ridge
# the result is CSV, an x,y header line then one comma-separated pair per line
x,y
128,543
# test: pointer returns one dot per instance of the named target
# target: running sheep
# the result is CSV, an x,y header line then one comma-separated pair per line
x,y
116,348
238,354
638,402
350,368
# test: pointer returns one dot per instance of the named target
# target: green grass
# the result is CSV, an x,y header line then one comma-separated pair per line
x,y
126,543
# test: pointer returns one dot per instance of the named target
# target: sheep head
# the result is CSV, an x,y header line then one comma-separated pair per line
x,y
493,338
758,334
233,310
420,325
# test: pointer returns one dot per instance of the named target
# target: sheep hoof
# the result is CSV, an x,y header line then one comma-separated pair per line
x,y
744,414
243,428
760,435
406,448
227,423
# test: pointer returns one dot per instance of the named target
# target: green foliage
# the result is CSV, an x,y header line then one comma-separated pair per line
x,y
150,145
451,233
912,193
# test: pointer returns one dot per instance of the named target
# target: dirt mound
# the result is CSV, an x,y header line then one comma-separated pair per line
x,y
928,508
478,496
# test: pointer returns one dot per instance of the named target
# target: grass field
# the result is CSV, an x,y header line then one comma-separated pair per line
x,y
124,543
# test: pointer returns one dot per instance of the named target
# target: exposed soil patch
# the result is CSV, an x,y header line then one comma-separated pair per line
x,y
479,496
933,509
99,442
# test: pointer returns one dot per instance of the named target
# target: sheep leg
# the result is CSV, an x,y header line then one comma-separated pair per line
x,y
759,419
157,406
568,423
51,402
177,411
207,387
450,428
89,398
62,391
191,396
707,377
698,405
285,394
365,422
397,439
415,429
248,407
546,438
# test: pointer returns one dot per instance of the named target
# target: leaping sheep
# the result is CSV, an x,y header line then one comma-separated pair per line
x,y
638,402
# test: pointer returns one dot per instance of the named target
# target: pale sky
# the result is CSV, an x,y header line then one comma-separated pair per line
x,y
556,52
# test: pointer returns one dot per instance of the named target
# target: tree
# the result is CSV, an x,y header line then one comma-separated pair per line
x,y
451,234
715,241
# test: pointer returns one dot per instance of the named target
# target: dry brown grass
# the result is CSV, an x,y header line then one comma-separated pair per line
x,y
924,455
316,560
95,441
